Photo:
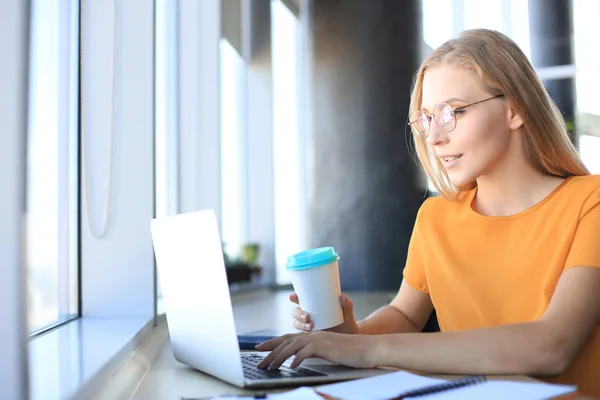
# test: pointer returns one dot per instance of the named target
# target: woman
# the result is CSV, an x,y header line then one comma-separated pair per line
x,y
509,255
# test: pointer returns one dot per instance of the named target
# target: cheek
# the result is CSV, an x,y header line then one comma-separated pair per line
x,y
486,136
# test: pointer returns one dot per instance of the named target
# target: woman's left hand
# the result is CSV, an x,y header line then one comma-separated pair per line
x,y
340,348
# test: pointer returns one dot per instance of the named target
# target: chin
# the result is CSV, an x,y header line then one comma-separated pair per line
x,y
459,178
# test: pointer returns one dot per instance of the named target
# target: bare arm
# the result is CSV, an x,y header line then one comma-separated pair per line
x,y
543,347
408,312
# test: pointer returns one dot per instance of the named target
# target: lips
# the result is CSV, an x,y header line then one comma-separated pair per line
x,y
450,160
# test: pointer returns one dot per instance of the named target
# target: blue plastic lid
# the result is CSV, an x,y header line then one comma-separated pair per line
x,y
311,258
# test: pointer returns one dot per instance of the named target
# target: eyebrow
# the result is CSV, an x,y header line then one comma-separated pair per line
x,y
450,100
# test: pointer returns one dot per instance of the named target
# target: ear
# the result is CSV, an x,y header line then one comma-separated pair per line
x,y
514,119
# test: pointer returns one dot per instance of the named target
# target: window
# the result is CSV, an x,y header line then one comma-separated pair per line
x,y
586,24
444,19
437,22
287,141
483,14
52,170
166,132
166,121
590,152
233,150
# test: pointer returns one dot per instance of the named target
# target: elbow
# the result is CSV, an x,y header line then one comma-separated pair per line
x,y
553,356
551,365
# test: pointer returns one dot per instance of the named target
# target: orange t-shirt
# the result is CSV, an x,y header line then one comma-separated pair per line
x,y
485,271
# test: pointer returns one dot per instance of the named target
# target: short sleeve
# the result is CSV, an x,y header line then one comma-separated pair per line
x,y
414,270
585,248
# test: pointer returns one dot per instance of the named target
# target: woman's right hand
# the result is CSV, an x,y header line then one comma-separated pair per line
x,y
302,318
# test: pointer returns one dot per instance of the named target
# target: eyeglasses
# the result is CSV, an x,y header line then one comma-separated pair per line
x,y
444,116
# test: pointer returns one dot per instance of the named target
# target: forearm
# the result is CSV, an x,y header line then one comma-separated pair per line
x,y
525,348
386,320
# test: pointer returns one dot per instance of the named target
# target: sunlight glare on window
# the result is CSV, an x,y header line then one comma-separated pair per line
x,y
52,172
289,227
233,149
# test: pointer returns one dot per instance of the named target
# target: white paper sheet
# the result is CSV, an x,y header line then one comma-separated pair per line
x,y
380,387
501,390
390,385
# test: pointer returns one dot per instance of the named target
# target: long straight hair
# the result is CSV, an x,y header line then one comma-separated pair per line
x,y
503,69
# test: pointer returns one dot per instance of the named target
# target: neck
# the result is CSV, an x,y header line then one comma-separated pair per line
x,y
513,186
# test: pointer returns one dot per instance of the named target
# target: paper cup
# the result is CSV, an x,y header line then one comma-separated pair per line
x,y
316,279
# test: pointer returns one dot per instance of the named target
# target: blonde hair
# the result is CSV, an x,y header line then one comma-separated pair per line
x,y
503,69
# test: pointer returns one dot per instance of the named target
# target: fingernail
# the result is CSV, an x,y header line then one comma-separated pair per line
x,y
303,316
307,326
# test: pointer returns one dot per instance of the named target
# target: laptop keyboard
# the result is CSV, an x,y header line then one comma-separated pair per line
x,y
251,371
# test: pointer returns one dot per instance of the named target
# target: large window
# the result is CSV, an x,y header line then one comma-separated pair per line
x,y
586,24
166,150
234,178
444,19
52,171
590,152
166,107
290,201
586,27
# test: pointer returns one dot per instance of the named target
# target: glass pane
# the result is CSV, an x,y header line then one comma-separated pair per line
x,y
590,152
52,176
289,183
483,14
166,108
586,24
166,117
437,22
519,25
233,150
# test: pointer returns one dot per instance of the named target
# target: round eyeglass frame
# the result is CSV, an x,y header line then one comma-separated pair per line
x,y
444,121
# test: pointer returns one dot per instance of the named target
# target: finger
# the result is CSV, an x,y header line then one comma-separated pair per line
x,y
286,352
269,358
294,298
307,352
306,327
271,344
300,314
347,306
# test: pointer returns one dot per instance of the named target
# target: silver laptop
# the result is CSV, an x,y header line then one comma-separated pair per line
x,y
199,314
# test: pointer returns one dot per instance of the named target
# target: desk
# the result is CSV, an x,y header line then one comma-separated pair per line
x,y
168,379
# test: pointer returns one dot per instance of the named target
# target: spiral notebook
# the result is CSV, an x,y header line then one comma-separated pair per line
x,y
404,385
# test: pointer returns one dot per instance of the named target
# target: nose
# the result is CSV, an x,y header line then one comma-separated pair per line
x,y
436,136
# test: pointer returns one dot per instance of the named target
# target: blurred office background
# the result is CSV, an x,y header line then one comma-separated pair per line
x,y
287,117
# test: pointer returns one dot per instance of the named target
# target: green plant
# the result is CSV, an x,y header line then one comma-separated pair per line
x,y
250,253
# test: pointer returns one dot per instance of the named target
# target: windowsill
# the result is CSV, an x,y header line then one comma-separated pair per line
x,y
76,359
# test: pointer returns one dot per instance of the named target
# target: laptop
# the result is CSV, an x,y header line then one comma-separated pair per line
x,y
199,313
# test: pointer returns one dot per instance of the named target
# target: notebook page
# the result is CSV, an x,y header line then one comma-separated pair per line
x,y
381,387
502,390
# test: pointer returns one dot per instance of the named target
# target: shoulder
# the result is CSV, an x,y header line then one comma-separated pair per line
x,y
588,183
583,190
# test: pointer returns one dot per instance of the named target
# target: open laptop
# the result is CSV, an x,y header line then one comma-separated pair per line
x,y
199,314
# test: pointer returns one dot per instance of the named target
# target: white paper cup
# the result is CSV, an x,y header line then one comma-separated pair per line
x,y
316,279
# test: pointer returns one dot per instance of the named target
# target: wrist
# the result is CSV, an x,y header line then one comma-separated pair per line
x,y
375,347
